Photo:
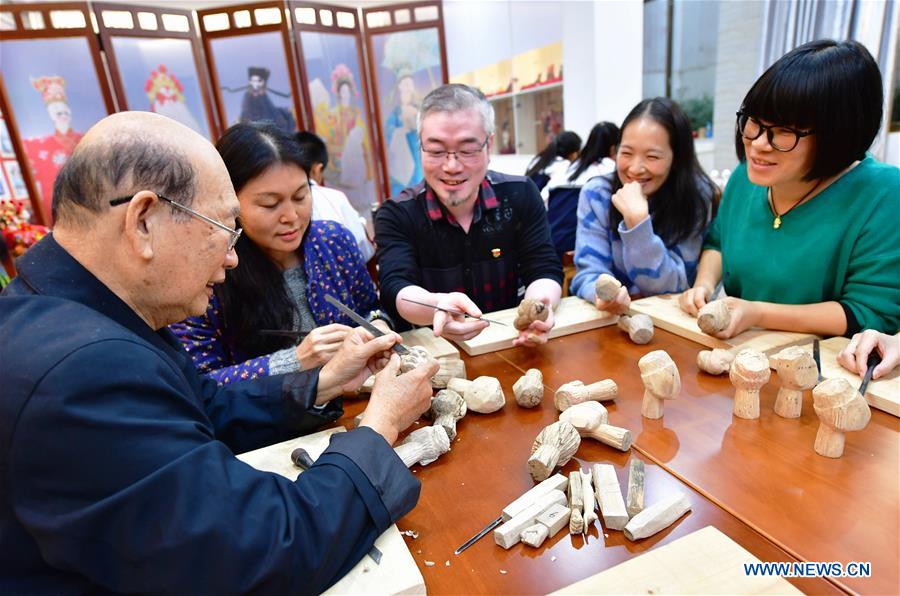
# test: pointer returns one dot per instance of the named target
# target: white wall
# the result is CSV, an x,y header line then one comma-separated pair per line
x,y
483,33
602,61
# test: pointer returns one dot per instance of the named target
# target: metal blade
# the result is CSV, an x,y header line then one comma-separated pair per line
x,y
454,312
816,358
375,555
400,349
479,535
873,361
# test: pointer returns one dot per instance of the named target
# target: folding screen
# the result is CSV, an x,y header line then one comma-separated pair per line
x,y
251,64
407,59
336,93
156,64
52,89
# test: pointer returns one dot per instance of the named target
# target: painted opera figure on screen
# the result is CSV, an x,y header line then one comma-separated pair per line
x,y
48,154
257,105
166,95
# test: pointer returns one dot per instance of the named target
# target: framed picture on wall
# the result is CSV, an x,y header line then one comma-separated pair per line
x,y
251,65
337,99
407,59
5,191
16,182
155,63
54,89
6,146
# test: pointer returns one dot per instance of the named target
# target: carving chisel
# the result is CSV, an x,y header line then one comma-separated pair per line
x,y
302,460
454,312
816,358
400,349
555,482
873,361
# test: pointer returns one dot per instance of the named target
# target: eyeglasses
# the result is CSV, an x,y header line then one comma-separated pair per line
x,y
781,138
235,234
466,155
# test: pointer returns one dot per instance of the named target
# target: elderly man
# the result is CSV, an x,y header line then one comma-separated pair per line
x,y
117,458
466,239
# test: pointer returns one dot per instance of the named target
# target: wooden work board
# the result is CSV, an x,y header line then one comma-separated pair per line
x,y
573,315
703,562
883,394
424,337
396,574
666,314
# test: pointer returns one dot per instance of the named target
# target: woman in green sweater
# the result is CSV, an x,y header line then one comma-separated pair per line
x,y
806,236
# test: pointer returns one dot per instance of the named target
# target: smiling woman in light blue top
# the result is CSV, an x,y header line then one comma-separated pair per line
x,y
644,223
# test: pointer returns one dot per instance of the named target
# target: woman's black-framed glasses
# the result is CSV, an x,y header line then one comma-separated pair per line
x,y
781,138
235,234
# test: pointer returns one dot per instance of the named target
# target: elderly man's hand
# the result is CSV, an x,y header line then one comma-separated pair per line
x,y
538,332
457,327
359,356
398,400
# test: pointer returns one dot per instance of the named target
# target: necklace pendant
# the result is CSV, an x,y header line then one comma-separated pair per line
x,y
777,223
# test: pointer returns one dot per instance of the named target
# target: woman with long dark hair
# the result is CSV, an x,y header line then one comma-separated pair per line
x,y
556,156
287,265
644,223
597,158
806,239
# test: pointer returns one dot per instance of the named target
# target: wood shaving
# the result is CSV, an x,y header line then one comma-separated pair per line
x,y
552,559
504,571
411,533
446,563
429,563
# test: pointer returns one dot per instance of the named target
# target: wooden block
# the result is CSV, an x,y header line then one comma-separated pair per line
x,y
634,503
666,314
883,394
573,315
509,534
397,573
555,482
556,518
657,517
534,535
438,347
703,562
452,367
609,495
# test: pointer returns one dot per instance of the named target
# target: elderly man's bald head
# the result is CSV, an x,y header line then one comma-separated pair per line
x,y
123,154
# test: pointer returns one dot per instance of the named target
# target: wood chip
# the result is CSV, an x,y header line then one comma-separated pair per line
x,y
503,571
429,563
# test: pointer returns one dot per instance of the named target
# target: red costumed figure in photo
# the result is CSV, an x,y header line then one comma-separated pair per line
x,y
48,154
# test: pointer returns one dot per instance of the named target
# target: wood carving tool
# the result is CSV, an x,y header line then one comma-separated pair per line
x,y
301,458
555,482
873,361
817,358
284,333
400,349
454,312
717,291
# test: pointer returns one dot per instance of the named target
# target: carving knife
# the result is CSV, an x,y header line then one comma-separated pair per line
x,y
816,358
400,349
717,291
302,460
555,482
873,361
454,312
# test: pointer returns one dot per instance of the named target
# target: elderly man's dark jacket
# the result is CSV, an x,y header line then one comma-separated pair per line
x,y
117,471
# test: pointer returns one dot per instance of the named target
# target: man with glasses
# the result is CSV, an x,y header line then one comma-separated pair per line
x,y
465,239
117,457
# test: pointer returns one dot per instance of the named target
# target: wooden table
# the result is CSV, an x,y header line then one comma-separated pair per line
x,y
758,481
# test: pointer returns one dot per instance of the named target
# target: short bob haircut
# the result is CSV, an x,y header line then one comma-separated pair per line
x,y
830,87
